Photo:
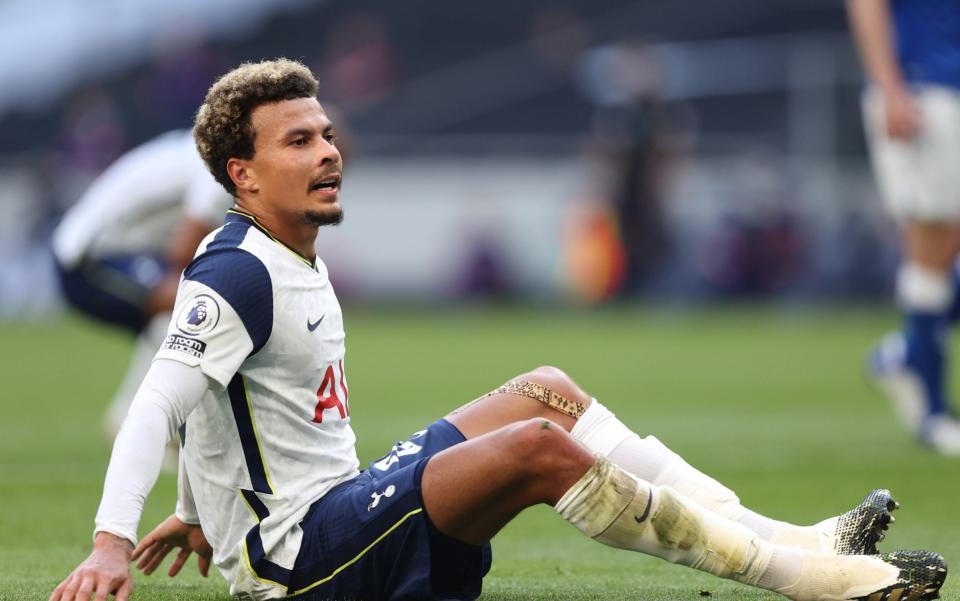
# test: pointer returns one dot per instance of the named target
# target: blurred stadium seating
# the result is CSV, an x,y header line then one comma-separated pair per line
x,y
476,132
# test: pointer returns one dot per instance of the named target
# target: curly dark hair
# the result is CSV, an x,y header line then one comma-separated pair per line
x,y
222,129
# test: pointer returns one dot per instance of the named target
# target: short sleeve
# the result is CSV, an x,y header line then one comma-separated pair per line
x,y
206,331
223,313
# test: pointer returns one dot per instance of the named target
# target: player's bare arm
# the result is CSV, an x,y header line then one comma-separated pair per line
x,y
181,248
873,32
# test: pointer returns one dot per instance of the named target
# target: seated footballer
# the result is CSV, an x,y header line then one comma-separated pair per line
x,y
252,371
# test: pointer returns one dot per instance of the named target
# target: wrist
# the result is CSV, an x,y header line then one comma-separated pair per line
x,y
109,541
893,88
190,519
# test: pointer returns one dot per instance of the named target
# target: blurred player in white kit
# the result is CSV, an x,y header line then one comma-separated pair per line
x,y
121,248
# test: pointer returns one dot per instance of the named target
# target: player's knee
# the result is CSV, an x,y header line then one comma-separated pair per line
x,y
550,371
558,381
542,447
548,374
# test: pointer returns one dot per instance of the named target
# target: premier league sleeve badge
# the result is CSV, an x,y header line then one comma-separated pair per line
x,y
199,316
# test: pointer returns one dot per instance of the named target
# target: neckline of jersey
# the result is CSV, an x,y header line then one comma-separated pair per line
x,y
256,223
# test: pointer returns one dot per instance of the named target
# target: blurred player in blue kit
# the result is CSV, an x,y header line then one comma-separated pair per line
x,y
270,488
910,50
121,248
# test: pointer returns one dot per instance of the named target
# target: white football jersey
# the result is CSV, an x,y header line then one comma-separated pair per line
x,y
275,435
133,206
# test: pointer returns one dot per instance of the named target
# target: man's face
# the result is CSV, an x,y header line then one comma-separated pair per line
x,y
296,162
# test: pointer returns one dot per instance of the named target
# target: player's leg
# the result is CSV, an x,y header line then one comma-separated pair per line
x,y
545,392
121,291
471,490
549,393
919,181
953,313
855,532
925,292
113,290
910,364
661,522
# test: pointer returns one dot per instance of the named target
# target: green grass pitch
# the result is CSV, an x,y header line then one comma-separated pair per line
x,y
772,403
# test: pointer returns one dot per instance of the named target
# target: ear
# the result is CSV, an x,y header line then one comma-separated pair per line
x,y
243,175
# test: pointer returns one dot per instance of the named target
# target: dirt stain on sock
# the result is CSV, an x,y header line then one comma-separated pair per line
x,y
675,527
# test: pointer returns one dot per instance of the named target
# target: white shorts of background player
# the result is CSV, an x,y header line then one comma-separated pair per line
x,y
919,179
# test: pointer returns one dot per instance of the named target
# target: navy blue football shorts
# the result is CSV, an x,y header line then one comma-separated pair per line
x,y
114,290
370,538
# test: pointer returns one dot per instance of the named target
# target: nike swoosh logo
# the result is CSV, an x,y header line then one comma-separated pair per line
x,y
646,512
313,326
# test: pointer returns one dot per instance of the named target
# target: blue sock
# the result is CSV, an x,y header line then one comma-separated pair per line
x,y
925,334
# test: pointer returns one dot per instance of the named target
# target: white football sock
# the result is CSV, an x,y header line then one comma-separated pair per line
x,y
616,508
922,289
649,459
620,510
820,537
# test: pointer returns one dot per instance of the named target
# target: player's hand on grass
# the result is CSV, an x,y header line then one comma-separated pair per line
x,y
172,533
105,571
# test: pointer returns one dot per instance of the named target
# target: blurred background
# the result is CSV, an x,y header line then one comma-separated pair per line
x,y
566,152
512,164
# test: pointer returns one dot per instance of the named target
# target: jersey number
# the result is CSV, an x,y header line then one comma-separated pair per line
x,y
401,449
327,397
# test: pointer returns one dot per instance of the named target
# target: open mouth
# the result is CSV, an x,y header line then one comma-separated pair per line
x,y
328,184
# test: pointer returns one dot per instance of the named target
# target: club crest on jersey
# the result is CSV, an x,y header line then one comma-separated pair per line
x,y
199,316
376,496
